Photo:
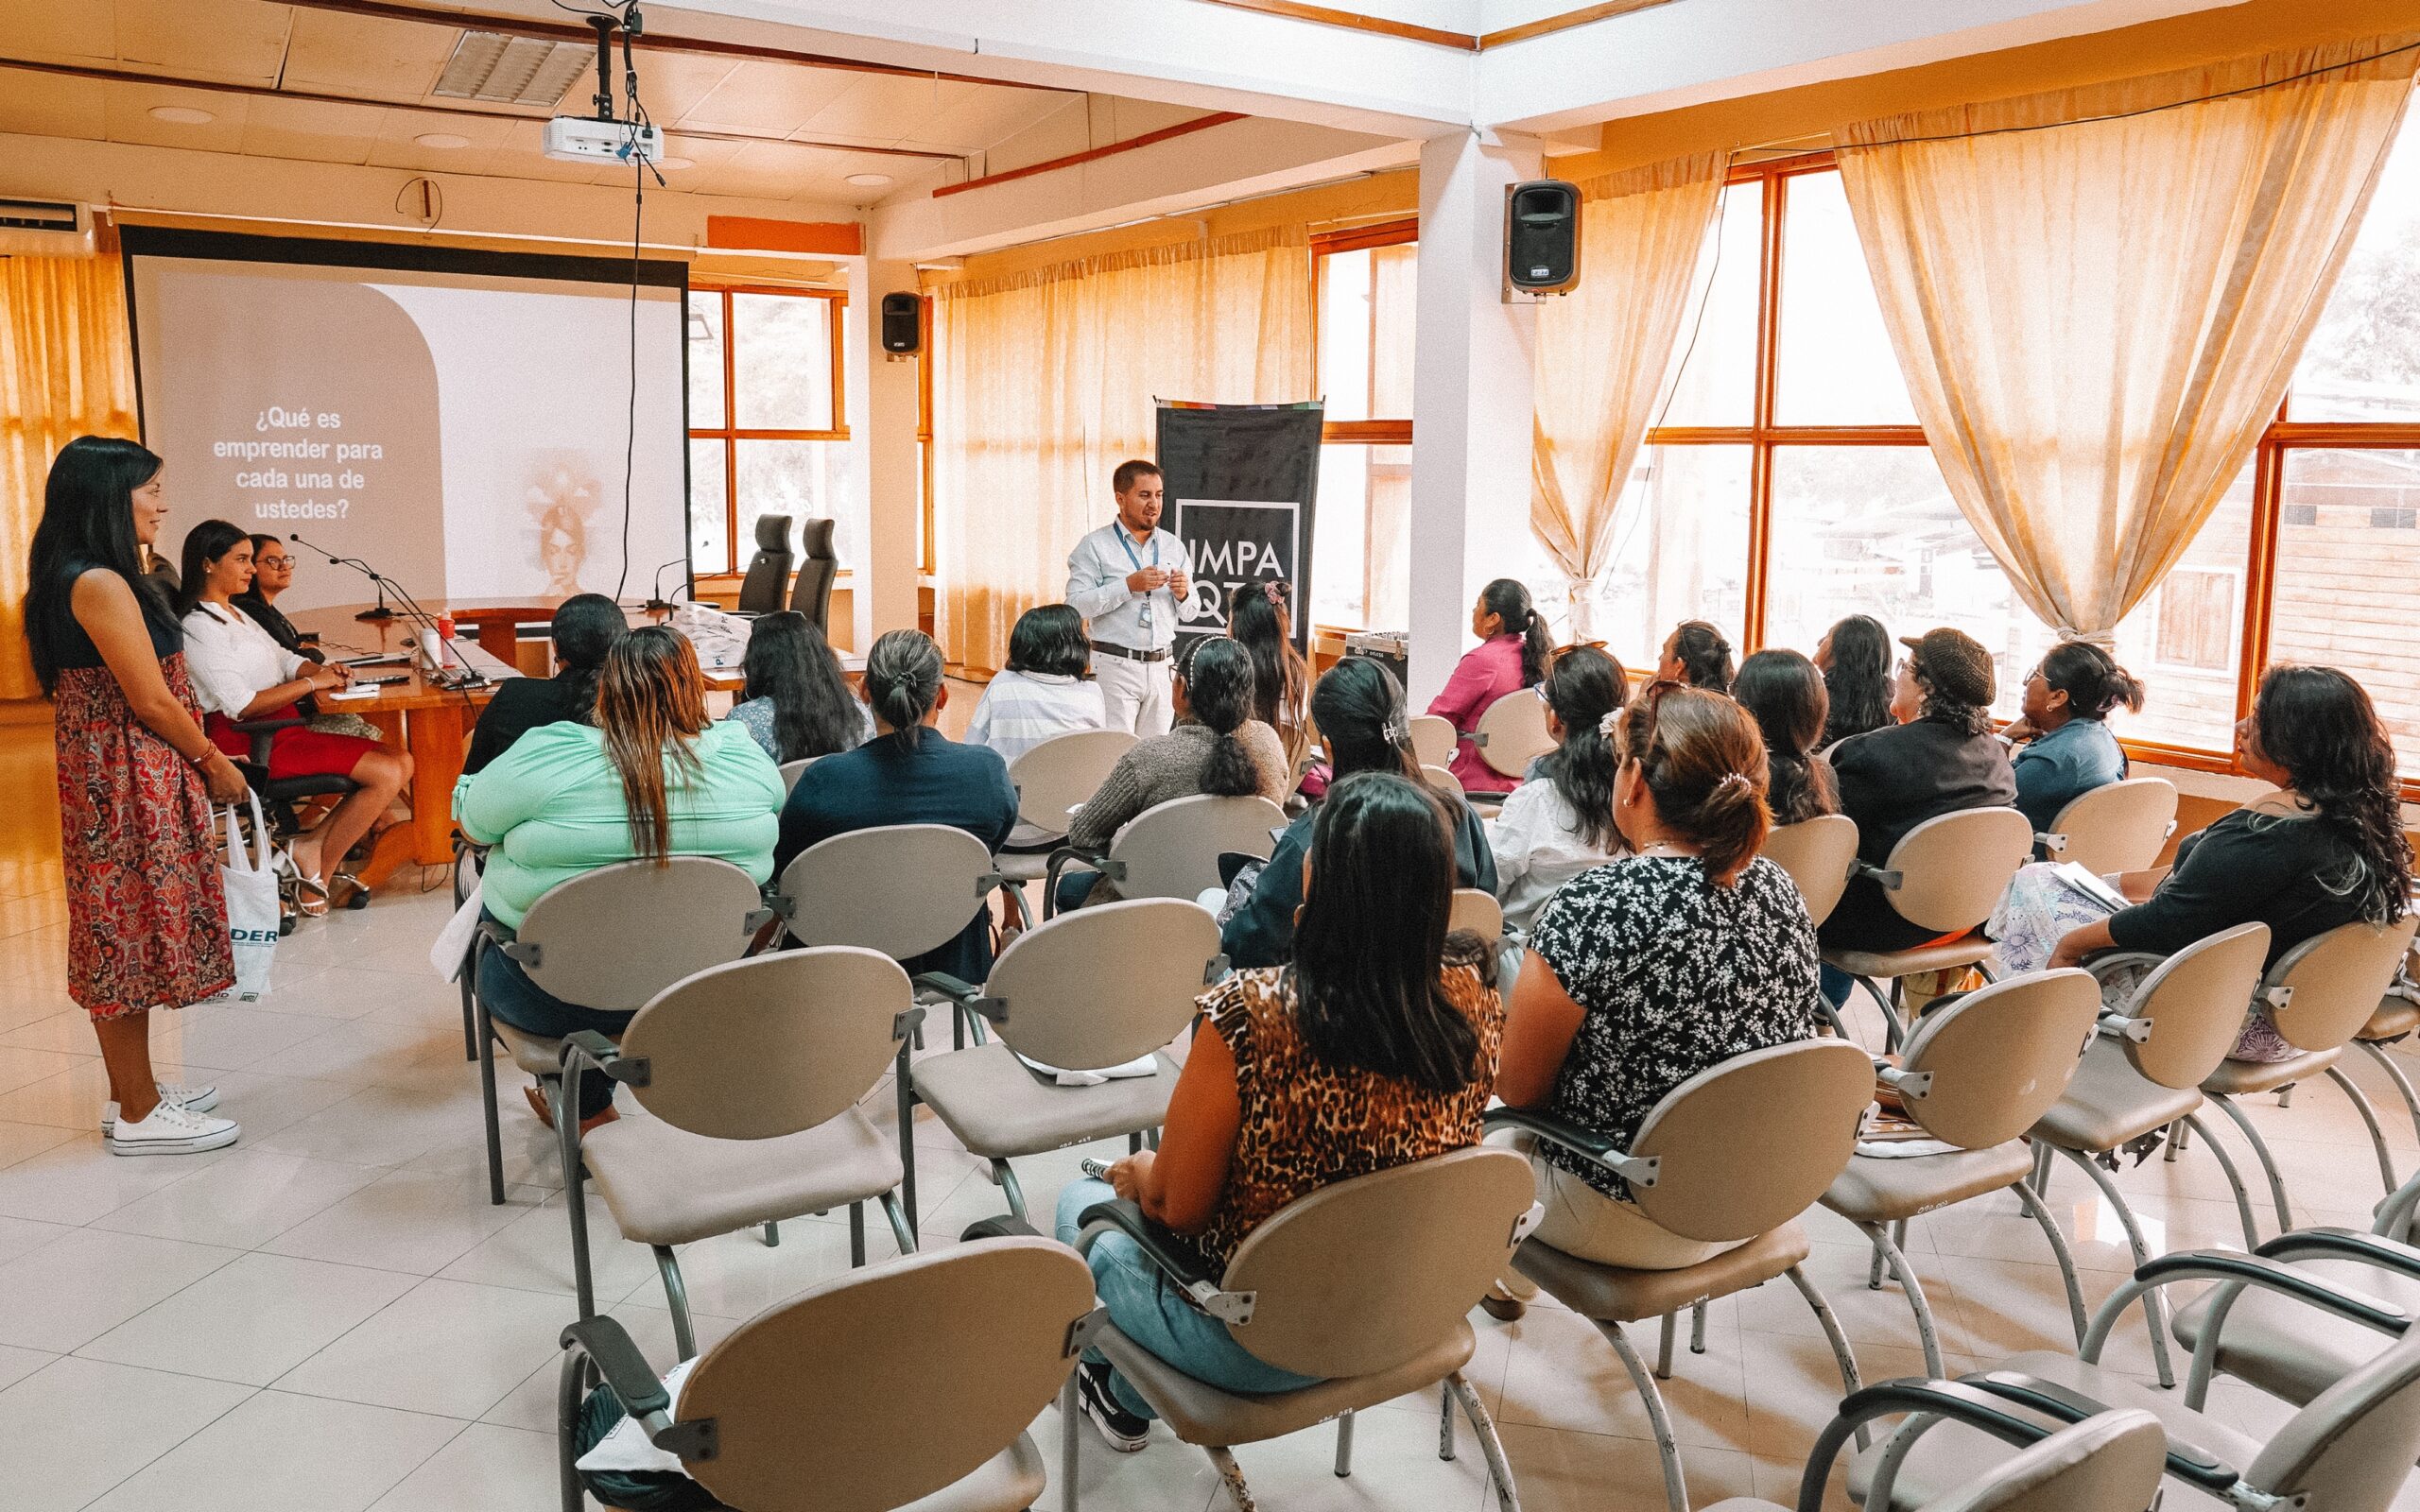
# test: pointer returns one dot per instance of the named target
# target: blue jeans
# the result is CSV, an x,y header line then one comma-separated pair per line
x,y
1837,986
511,997
1158,1316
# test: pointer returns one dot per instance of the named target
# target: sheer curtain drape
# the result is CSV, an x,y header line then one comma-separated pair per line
x,y
2098,311
1604,360
66,370
1044,381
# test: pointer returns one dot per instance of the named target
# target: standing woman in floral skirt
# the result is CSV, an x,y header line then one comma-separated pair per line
x,y
147,917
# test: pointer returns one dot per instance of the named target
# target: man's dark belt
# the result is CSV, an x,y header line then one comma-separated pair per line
x,y
1129,653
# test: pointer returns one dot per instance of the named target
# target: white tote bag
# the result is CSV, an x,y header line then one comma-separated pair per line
x,y
250,882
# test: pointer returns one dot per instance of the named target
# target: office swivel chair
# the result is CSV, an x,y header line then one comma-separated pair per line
x,y
811,595
760,591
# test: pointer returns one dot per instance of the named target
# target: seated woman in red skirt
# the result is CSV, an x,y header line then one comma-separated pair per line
x,y
239,672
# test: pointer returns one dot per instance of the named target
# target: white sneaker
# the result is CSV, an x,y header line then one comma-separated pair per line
x,y
192,1099
173,1131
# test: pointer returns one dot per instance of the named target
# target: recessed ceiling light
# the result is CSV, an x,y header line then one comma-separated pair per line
x,y
869,181
181,115
442,141
675,163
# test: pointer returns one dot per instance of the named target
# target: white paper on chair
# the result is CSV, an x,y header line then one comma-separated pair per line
x,y
1902,1149
627,1448
1142,1066
2090,886
453,943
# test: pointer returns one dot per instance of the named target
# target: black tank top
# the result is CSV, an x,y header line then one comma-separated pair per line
x,y
76,649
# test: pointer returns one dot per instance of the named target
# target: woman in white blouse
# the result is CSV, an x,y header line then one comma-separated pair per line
x,y
1560,822
239,672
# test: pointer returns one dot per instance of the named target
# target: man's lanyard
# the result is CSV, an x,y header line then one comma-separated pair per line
x,y
1120,531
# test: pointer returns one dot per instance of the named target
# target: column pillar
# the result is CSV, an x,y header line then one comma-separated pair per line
x,y
882,428
1470,459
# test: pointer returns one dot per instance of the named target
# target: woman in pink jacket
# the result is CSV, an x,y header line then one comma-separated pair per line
x,y
1512,655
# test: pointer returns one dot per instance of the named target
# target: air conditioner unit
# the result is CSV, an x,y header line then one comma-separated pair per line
x,y
44,228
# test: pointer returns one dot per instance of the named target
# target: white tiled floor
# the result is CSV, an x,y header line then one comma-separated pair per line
x,y
331,1317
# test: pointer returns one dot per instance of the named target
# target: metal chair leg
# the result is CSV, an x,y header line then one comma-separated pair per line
x,y
904,1087
2268,1162
2395,1074
1445,1421
1008,1180
1668,1449
1232,1475
2234,1177
677,1295
1068,1409
2175,1141
1343,1446
2154,1310
900,1229
487,1107
857,1234
1499,1471
571,1391
1841,1354
2040,1213
1887,1251
772,1235
1696,1328
2370,1119
469,1017
1672,1327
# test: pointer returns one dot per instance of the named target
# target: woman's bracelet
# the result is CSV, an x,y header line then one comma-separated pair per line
x,y
197,763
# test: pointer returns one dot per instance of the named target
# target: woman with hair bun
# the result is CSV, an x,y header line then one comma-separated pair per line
x,y
1512,655
2065,748
1560,822
909,773
1698,654
1643,975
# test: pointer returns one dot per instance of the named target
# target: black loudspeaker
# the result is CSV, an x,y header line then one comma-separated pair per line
x,y
1541,237
902,322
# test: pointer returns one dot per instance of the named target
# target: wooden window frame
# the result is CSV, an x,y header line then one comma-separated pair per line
x,y
1356,431
729,433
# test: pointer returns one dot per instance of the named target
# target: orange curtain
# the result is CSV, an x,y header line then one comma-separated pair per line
x,y
2098,295
66,369
1044,381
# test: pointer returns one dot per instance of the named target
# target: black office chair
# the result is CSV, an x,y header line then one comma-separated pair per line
x,y
769,570
279,797
811,595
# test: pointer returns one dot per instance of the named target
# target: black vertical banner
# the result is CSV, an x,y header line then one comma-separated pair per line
x,y
1241,480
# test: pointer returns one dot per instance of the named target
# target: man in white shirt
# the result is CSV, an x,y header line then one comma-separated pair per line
x,y
1127,579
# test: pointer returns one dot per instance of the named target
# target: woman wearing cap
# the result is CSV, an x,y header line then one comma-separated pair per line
x,y
1943,759
1510,656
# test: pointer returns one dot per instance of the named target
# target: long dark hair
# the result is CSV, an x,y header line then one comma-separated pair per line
x,y
1359,707
2094,684
904,681
87,521
1786,693
2319,726
204,543
1049,640
1583,687
1217,674
650,708
1281,678
586,629
1370,941
1508,600
787,661
1704,766
1858,681
1704,655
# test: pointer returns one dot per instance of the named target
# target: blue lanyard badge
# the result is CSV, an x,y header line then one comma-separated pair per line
x,y
1120,531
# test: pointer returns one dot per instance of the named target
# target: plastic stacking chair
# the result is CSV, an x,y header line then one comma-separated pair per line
x,y
1433,738
2142,1075
2116,827
792,771
1366,1284
1086,992
610,939
1441,778
908,1384
753,1071
1976,1074
2288,1351
2397,1016
2110,1462
1052,779
1476,909
2320,994
1820,854
1733,1154
901,890
2348,1451
1946,875
1513,733
1171,849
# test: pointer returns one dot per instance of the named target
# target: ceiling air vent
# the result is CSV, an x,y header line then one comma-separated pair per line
x,y
501,70
39,228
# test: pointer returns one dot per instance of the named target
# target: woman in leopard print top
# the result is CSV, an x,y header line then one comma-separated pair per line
x,y
1375,1048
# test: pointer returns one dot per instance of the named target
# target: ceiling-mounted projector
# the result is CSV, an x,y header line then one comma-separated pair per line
x,y
580,139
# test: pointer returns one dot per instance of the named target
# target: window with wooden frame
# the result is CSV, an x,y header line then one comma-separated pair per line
x,y
1362,286
766,418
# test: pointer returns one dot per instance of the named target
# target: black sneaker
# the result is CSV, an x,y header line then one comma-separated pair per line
x,y
1126,1433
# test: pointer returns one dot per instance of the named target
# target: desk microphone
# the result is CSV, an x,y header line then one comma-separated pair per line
x,y
657,603
381,611
466,676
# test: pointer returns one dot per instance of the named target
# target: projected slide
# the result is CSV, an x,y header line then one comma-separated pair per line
x,y
461,423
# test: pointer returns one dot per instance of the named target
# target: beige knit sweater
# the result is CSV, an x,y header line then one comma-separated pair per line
x,y
1169,767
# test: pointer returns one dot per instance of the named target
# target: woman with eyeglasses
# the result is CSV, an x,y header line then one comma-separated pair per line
x,y
1641,975
2065,749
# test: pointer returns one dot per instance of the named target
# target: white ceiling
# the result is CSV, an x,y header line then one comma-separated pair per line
x,y
383,63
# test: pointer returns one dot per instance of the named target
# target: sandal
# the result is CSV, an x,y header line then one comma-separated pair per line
x,y
310,898
349,891
546,1115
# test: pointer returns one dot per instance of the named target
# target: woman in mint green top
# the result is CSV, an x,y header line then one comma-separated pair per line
x,y
653,778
